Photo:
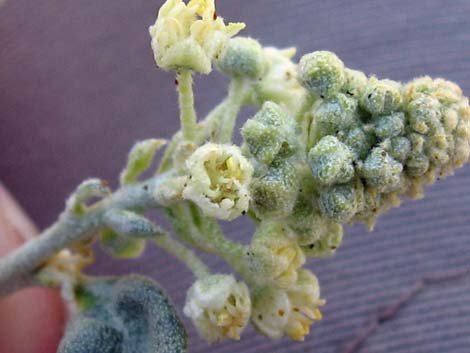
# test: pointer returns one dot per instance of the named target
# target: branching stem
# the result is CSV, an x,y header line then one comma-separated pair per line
x,y
18,266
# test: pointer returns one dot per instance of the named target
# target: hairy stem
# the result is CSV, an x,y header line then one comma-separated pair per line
x,y
186,104
69,229
167,159
183,254
237,94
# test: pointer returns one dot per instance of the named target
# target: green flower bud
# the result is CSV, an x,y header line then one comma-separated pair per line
x,y
331,162
274,256
327,244
417,164
322,73
400,148
359,142
334,115
275,191
219,307
381,171
389,125
339,203
381,97
270,133
424,114
355,83
242,57
417,142
307,223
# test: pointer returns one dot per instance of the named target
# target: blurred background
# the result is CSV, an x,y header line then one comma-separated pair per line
x,y
78,86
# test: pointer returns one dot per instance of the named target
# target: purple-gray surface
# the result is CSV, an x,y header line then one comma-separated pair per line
x,y
78,86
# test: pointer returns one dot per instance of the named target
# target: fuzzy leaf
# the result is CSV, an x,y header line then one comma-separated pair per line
x,y
120,246
140,158
131,224
127,315
87,190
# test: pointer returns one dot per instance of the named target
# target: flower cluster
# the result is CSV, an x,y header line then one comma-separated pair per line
x,y
373,140
189,36
328,146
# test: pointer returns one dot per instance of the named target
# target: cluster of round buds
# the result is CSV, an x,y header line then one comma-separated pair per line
x,y
270,138
288,311
219,307
317,235
189,36
218,181
372,141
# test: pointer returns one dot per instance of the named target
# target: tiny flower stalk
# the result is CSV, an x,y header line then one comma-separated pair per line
x,y
188,119
185,255
328,146
236,96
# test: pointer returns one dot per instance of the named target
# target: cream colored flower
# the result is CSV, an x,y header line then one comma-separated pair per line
x,y
280,84
288,311
305,299
275,257
219,307
189,35
218,180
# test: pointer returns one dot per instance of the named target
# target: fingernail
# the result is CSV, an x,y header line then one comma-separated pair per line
x,y
15,226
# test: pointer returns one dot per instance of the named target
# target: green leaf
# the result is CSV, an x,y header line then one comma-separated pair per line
x,y
87,190
140,158
129,315
120,246
131,224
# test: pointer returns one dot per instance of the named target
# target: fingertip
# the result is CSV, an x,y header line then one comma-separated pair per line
x,y
31,321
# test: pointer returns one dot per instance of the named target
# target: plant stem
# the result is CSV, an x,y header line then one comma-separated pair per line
x,y
236,96
183,254
305,107
186,104
18,266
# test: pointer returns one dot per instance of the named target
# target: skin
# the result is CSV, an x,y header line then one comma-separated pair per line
x,y
31,320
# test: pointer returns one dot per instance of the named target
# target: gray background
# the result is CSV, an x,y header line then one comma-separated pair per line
x,y
78,86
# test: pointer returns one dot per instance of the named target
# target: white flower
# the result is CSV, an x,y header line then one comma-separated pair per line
x,y
218,180
277,311
189,36
219,307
